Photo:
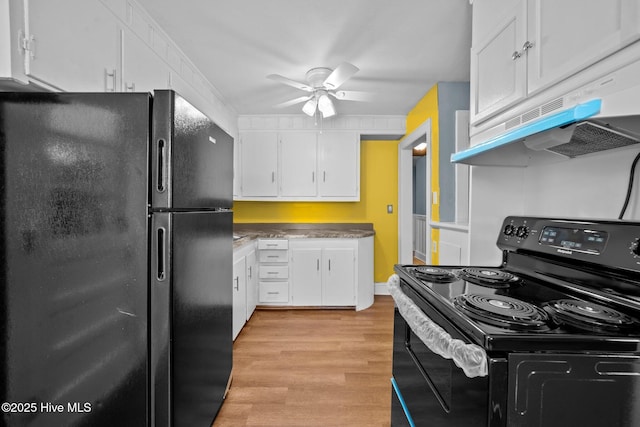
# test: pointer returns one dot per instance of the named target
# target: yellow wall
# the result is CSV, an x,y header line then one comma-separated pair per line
x,y
427,108
378,188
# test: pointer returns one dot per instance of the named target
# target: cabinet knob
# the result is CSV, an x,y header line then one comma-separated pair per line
x,y
526,46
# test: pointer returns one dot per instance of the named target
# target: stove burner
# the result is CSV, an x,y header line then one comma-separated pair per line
x,y
489,277
587,316
502,311
433,274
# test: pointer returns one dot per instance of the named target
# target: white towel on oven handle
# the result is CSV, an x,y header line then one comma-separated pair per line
x,y
471,358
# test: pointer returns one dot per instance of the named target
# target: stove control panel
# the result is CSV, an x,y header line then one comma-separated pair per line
x,y
610,243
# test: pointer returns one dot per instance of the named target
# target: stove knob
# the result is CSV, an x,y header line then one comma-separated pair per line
x,y
522,231
509,230
635,247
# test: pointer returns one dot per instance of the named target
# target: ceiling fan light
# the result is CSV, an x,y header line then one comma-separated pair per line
x,y
309,107
326,106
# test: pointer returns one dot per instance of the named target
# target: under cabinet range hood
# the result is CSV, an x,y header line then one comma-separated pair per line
x,y
602,115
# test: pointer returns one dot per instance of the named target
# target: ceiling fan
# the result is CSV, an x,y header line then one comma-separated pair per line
x,y
322,84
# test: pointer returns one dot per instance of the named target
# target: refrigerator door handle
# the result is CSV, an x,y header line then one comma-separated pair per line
x,y
161,254
162,165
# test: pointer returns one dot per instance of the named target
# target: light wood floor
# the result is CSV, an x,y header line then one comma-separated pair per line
x,y
307,368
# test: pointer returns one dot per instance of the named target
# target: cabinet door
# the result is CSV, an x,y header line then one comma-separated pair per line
x,y
339,165
570,35
306,276
339,275
11,57
498,69
142,69
252,283
74,45
298,164
239,296
259,158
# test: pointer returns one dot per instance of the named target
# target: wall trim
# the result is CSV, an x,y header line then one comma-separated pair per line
x,y
381,288
375,125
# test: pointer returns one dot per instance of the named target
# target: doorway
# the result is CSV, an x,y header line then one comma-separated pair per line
x,y
405,193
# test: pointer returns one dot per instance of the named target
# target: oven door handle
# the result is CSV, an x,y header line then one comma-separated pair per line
x,y
471,358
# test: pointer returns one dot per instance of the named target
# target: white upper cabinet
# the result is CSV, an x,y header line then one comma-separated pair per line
x,y
570,35
72,45
11,42
142,69
259,164
521,48
299,165
338,154
497,73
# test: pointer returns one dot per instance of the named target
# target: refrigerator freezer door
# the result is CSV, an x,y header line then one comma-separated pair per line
x,y
73,293
191,300
192,158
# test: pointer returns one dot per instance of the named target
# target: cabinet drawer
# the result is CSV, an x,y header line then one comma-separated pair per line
x,y
274,271
273,244
274,256
274,292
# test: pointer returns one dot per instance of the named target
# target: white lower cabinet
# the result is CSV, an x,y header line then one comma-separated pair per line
x,y
273,271
306,274
239,295
244,286
252,283
323,272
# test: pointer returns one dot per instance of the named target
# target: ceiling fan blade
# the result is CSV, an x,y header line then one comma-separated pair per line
x,y
297,85
340,75
352,95
294,101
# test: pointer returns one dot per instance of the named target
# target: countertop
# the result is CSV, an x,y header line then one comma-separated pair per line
x,y
245,232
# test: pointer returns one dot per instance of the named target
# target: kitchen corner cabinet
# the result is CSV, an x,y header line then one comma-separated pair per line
x,y
299,166
520,48
244,286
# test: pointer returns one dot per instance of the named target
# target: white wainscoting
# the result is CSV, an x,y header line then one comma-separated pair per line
x,y
420,237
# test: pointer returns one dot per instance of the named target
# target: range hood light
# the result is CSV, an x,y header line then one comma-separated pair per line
x,y
551,138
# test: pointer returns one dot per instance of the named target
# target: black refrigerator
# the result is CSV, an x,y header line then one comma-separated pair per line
x,y
116,252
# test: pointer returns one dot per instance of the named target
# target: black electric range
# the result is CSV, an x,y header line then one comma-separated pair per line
x,y
550,337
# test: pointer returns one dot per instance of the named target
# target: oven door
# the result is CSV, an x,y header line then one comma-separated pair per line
x,y
429,390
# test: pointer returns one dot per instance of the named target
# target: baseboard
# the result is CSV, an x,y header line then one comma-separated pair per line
x,y
381,288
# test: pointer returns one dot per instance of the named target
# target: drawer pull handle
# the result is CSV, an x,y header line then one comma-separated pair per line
x,y
273,293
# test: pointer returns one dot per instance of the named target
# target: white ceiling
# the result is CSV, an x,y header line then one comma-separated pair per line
x,y
402,47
